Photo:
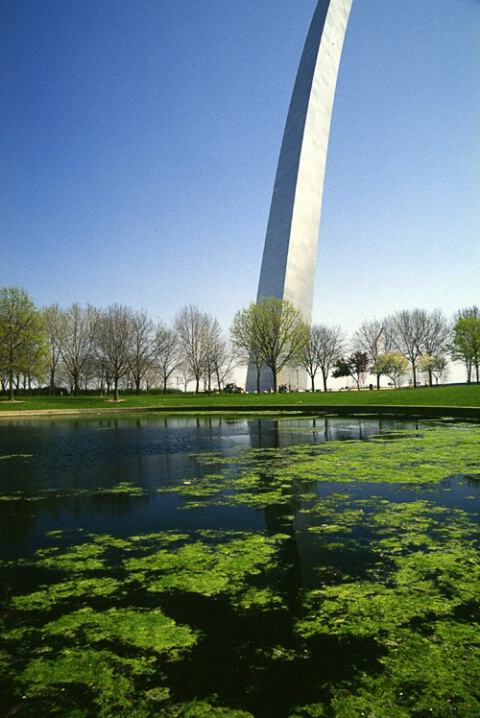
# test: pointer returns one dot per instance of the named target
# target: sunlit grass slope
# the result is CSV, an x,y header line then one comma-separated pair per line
x,y
449,396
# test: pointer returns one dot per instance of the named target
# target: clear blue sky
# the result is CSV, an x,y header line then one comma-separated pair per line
x,y
139,141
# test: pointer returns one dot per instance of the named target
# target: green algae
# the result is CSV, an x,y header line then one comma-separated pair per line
x,y
50,596
108,676
151,630
211,569
202,709
422,675
262,477
107,650
415,602
81,558
427,458
15,456
398,620
312,711
124,488
419,604
159,694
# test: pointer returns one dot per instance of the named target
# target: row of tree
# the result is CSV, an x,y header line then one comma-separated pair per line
x,y
108,349
421,341
271,334
82,348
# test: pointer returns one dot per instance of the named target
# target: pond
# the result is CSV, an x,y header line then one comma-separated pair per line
x,y
239,568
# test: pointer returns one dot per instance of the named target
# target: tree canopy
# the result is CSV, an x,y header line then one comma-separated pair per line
x,y
270,333
465,345
354,366
83,347
22,336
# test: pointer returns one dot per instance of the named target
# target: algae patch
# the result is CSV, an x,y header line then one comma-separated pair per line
x,y
360,597
98,631
261,477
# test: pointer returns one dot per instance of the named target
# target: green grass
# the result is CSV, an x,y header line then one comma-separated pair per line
x,y
448,396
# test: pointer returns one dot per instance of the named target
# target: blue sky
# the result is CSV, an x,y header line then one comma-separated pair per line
x,y
139,141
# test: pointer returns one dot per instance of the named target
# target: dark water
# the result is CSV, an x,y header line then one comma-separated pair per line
x,y
56,465
60,475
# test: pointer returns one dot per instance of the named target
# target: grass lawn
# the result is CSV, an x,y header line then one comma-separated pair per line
x,y
463,395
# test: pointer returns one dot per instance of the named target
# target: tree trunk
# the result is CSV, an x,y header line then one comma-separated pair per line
x,y
414,374
324,376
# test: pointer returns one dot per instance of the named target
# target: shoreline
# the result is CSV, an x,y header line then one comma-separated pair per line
x,y
456,412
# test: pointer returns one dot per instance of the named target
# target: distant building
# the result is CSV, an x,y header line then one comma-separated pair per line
x,y
290,252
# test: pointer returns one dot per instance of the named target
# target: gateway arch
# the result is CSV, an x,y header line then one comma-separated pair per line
x,y
290,251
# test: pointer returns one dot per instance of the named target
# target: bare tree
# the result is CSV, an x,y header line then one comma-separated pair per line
x,y
114,342
52,323
408,328
368,338
77,333
192,326
374,338
309,360
435,336
218,355
142,348
166,352
184,375
330,347
224,366
472,312
326,345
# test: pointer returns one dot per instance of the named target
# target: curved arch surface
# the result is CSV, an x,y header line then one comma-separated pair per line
x,y
291,242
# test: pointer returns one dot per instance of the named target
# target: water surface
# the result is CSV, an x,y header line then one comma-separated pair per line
x,y
274,568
